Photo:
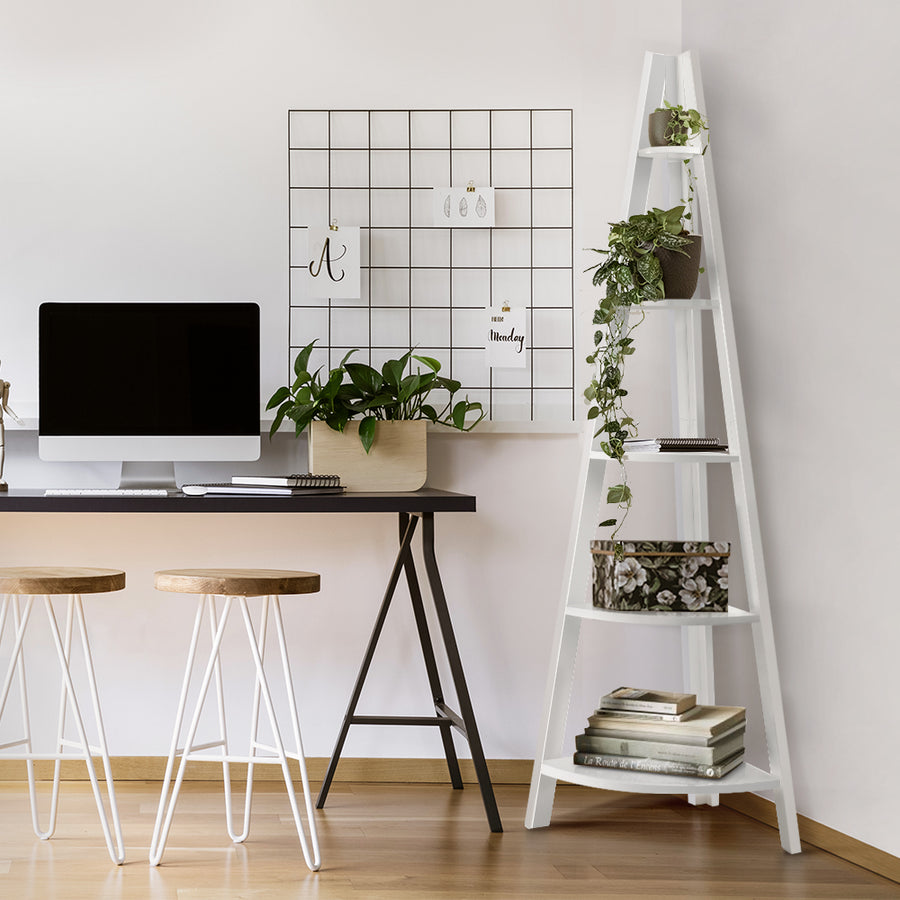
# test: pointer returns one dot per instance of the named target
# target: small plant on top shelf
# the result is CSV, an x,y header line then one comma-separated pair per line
x,y
674,126
633,274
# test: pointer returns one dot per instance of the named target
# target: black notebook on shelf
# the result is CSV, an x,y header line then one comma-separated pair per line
x,y
675,445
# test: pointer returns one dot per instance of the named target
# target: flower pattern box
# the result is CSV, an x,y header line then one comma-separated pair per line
x,y
673,576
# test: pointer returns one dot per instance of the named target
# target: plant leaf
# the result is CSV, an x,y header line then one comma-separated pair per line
x,y
367,432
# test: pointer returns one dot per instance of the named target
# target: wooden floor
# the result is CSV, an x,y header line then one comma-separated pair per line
x,y
416,842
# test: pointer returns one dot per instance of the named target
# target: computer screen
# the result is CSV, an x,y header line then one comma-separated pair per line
x,y
148,382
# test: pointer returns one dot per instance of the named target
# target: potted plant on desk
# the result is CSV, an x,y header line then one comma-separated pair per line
x,y
369,426
649,257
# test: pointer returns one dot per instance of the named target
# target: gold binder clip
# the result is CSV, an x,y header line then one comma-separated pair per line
x,y
505,307
471,187
334,225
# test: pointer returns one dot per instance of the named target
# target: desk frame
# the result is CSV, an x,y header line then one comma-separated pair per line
x,y
412,508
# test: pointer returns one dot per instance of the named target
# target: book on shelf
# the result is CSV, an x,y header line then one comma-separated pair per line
x,y
658,766
270,490
639,700
702,728
674,445
690,753
627,715
306,480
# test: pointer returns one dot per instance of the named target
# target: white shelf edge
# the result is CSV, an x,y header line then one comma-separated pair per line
x,y
675,152
679,457
744,778
675,303
732,616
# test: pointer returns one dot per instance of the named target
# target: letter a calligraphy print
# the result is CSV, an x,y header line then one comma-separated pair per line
x,y
332,269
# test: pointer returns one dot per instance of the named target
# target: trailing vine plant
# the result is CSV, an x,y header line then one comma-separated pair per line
x,y
684,125
633,275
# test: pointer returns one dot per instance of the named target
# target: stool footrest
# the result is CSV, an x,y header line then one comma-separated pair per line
x,y
263,760
208,746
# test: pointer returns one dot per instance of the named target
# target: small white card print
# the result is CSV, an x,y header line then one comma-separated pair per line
x,y
464,207
332,263
505,343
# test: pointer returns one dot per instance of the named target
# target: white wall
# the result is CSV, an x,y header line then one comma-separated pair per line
x,y
800,98
144,157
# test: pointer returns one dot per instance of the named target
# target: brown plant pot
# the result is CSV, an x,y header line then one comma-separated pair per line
x,y
680,270
656,128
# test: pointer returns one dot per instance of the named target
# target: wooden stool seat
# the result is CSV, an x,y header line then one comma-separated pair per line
x,y
39,580
237,582
233,589
19,588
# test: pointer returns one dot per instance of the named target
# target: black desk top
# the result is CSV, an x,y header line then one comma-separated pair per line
x,y
424,500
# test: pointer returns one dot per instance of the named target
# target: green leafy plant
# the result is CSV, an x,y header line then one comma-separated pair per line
x,y
353,390
682,126
633,275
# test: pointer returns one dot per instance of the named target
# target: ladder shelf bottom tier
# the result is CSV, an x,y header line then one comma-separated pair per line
x,y
744,778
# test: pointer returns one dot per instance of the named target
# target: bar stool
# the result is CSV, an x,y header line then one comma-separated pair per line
x,y
28,583
235,586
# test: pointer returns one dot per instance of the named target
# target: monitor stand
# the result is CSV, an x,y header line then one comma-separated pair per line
x,y
148,475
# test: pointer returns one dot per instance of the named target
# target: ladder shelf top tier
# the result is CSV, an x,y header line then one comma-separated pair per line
x,y
676,153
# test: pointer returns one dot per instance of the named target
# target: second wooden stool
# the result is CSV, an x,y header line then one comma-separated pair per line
x,y
235,586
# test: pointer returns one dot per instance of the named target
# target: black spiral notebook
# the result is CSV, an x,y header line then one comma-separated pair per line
x,y
306,480
675,445
271,485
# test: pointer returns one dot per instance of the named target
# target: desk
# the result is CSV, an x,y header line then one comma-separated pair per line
x,y
411,508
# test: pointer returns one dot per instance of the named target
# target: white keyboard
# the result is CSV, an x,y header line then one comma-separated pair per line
x,y
106,492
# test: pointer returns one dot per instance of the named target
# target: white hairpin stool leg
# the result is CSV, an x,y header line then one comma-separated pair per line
x,y
167,809
310,855
17,666
254,732
117,852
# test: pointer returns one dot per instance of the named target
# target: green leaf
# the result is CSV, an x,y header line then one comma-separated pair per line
x,y
301,363
367,432
607,522
278,397
618,493
429,361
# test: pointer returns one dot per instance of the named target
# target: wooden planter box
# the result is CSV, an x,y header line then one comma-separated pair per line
x,y
673,576
396,462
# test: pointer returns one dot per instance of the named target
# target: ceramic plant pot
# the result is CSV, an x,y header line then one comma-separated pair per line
x,y
656,127
680,271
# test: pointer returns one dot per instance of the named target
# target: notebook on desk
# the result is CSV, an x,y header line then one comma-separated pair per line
x,y
271,490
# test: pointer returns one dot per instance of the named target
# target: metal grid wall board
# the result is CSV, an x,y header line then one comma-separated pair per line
x,y
427,286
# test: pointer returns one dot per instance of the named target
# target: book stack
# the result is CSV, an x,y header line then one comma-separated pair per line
x,y
663,732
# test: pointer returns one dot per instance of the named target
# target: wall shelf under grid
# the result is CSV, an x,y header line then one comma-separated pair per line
x,y
426,286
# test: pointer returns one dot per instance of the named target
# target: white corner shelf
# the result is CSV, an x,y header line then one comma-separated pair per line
x,y
677,78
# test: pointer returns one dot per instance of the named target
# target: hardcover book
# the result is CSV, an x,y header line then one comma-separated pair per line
x,y
702,728
638,700
659,766
690,753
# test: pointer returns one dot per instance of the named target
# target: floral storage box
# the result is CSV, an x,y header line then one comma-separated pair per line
x,y
675,576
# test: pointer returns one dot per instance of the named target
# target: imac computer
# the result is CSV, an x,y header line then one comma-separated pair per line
x,y
148,384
